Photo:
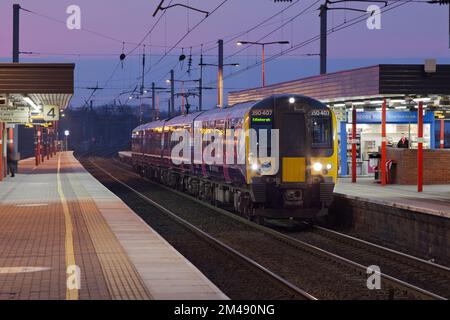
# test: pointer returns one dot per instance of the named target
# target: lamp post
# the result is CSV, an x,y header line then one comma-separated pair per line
x,y
263,45
66,138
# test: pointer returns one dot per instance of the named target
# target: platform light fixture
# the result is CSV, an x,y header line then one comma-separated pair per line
x,y
263,59
32,104
422,99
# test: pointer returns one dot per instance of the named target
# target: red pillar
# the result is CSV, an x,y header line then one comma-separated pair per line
x,y
47,144
11,141
1,151
38,145
42,147
36,156
441,144
420,148
5,143
383,144
354,144
54,139
57,136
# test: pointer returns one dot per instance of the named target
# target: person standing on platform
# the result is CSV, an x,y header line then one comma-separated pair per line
x,y
403,142
11,164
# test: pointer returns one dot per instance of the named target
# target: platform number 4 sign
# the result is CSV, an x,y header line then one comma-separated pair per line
x,y
51,113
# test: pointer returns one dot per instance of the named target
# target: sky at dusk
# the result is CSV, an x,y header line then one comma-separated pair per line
x,y
409,34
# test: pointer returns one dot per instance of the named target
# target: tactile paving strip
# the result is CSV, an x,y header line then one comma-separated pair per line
x,y
121,277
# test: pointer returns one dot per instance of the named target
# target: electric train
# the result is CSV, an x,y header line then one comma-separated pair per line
x,y
278,156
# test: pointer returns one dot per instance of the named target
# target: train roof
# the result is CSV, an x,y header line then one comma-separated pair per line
x,y
138,128
236,111
183,119
150,125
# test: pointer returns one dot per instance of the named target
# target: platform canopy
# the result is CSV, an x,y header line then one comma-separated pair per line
x,y
43,83
365,86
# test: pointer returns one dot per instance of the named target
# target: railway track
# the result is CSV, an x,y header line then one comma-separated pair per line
x,y
287,289
425,274
306,261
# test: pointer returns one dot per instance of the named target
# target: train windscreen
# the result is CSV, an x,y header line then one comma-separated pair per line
x,y
321,132
293,135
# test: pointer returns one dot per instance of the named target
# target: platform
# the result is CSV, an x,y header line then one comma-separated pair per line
x,y
435,199
124,154
57,217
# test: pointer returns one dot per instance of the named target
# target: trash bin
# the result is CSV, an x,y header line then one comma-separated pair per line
x,y
374,161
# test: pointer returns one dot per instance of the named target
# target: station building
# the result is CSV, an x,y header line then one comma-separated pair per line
x,y
365,89
34,95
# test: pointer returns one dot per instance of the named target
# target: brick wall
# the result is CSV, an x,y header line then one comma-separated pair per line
x,y
436,165
420,234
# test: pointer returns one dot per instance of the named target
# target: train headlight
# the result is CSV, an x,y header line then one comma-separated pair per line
x,y
317,166
255,167
329,166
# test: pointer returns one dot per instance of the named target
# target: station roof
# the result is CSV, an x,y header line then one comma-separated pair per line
x,y
384,80
44,83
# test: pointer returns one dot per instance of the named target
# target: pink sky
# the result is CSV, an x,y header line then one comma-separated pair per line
x,y
410,33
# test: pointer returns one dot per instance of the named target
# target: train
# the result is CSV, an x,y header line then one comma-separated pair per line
x,y
272,158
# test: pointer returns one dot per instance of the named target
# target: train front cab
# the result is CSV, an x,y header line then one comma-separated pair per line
x,y
307,162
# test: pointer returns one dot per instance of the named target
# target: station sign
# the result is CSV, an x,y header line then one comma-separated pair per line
x,y
391,117
15,114
51,113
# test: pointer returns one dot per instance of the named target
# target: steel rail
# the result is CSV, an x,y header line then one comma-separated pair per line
x,y
211,239
391,281
405,256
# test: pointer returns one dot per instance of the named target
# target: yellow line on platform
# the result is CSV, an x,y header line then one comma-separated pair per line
x,y
71,294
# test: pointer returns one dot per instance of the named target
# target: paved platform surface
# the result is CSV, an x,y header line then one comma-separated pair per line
x,y
435,199
63,235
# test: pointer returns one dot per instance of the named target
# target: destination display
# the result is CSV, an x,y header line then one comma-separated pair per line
x,y
262,116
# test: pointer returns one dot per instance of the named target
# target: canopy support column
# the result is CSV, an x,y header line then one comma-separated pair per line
x,y
353,144
420,148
